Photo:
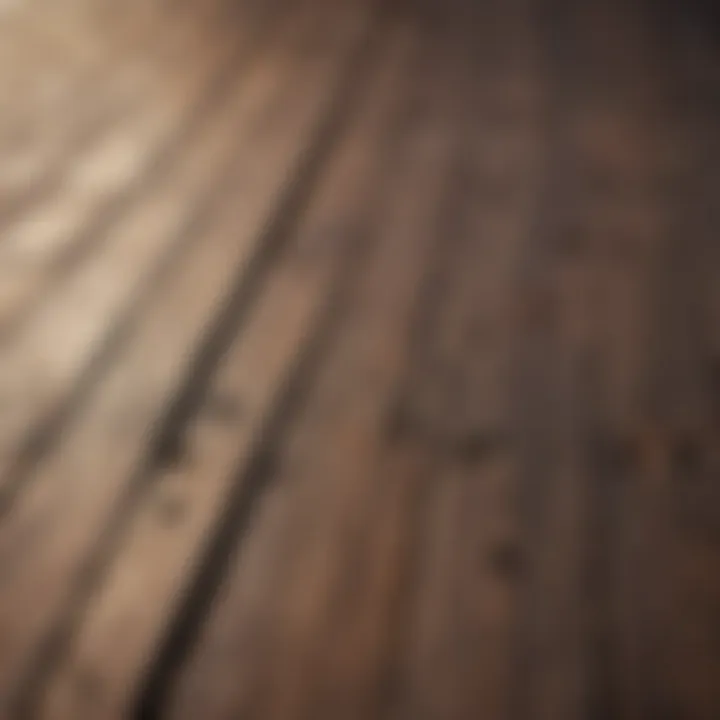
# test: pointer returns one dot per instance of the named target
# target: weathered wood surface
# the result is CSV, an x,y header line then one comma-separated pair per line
x,y
359,360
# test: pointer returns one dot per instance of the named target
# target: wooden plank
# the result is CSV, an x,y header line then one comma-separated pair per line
x,y
620,165
553,420
64,339
209,683
65,497
648,395
315,651
458,639
621,579
678,464
253,375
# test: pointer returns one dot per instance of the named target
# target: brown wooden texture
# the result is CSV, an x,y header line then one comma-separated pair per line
x,y
359,360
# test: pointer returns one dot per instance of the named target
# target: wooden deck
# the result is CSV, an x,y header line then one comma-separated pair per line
x,y
359,360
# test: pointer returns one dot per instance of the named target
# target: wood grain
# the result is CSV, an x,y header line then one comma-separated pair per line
x,y
359,360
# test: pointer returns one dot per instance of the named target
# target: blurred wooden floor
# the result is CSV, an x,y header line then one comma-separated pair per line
x,y
359,360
